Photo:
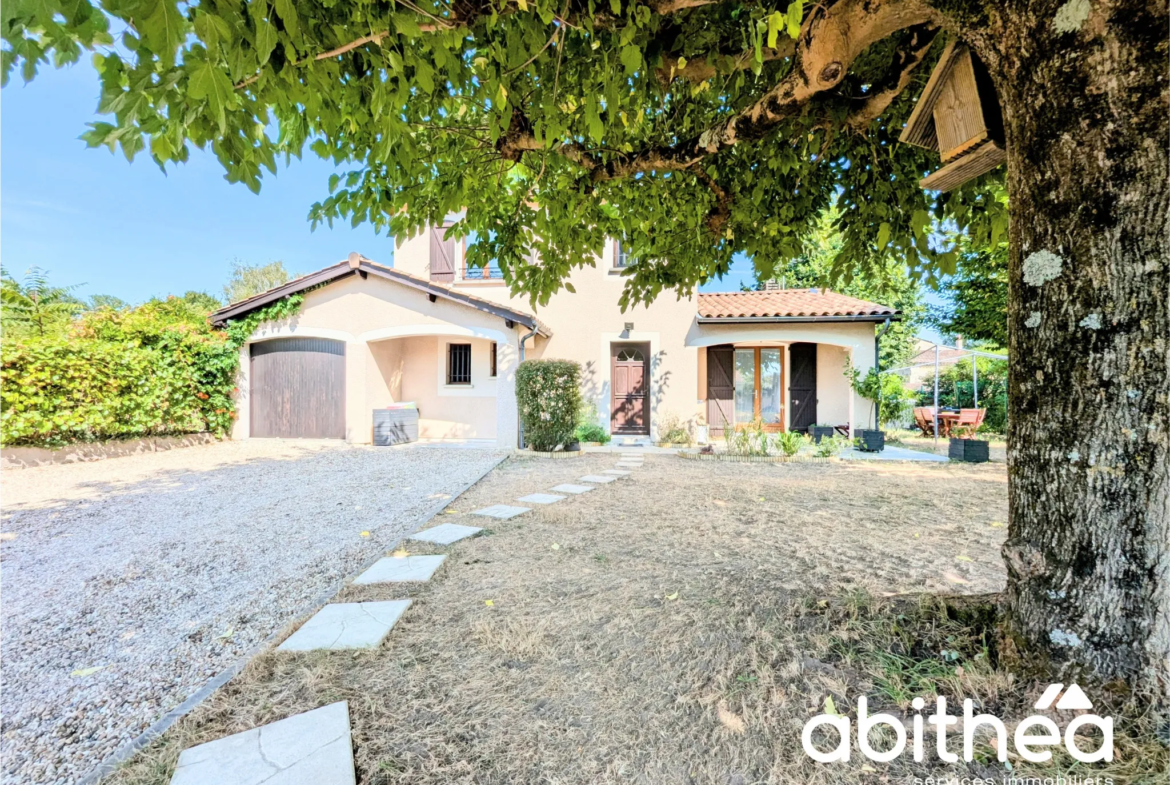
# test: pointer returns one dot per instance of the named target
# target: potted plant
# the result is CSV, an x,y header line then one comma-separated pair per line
x,y
873,387
870,440
818,432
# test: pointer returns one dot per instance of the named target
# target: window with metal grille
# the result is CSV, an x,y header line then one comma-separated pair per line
x,y
492,361
458,363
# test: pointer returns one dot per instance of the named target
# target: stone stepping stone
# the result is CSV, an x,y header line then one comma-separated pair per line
x,y
570,488
445,533
313,748
347,625
502,511
401,569
624,465
617,472
597,478
541,498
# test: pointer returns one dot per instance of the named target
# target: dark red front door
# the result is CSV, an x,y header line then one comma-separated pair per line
x,y
630,383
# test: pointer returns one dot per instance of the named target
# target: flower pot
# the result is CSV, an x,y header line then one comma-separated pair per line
x,y
818,432
969,450
870,440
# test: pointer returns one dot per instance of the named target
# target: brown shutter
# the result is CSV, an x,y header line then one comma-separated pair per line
x,y
720,388
442,256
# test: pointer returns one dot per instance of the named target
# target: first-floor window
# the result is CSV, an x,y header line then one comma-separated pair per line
x,y
458,363
757,386
492,361
621,257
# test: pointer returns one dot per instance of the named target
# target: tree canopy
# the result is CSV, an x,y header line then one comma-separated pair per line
x,y
692,129
249,279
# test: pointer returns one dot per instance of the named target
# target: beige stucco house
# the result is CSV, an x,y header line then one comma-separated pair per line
x,y
449,339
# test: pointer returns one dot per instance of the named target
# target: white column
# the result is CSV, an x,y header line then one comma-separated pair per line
x,y
852,397
242,427
359,418
507,360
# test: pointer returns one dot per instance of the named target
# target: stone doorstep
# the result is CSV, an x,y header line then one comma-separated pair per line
x,y
597,478
540,498
445,533
313,748
502,511
401,569
347,625
570,488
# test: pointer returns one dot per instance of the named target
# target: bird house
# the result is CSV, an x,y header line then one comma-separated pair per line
x,y
958,116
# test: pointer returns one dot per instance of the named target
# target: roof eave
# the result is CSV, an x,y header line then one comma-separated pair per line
x,y
893,317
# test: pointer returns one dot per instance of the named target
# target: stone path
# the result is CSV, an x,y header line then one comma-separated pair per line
x,y
541,498
313,748
347,625
401,569
570,488
445,533
502,511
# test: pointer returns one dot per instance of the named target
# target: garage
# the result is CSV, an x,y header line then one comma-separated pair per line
x,y
297,388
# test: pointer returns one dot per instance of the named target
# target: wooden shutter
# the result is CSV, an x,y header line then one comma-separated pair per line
x,y
442,256
802,386
720,388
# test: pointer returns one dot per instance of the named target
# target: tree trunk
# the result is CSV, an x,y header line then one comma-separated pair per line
x,y
1083,88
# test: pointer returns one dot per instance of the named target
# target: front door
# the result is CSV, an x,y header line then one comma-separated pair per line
x,y
630,385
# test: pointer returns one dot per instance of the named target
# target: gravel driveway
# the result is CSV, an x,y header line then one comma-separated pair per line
x,y
128,583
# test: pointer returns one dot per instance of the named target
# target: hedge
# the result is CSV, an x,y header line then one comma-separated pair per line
x,y
548,393
79,390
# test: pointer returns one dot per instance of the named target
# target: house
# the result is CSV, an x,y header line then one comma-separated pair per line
x,y
449,339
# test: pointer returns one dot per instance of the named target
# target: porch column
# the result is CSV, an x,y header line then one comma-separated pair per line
x,y
852,397
507,413
242,427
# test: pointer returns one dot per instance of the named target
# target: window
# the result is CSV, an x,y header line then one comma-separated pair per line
x,y
621,258
458,363
492,361
757,386
630,355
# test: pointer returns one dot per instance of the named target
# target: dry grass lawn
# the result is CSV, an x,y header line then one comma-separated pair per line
x,y
679,626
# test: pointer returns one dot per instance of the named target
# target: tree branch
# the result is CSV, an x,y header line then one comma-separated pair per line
x,y
896,81
698,68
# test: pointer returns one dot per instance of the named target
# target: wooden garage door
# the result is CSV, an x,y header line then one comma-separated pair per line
x,y
297,388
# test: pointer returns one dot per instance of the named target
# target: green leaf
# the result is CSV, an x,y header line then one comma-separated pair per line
x,y
793,15
631,58
164,30
210,83
616,7
775,22
883,236
265,40
288,14
407,25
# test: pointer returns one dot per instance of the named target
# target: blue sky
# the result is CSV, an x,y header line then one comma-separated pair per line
x,y
92,218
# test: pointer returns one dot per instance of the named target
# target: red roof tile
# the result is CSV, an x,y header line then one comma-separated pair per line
x,y
786,303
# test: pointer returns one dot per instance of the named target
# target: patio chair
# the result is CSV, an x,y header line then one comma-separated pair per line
x,y
968,423
924,419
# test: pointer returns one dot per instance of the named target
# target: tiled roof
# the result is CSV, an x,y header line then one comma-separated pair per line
x,y
787,303
946,356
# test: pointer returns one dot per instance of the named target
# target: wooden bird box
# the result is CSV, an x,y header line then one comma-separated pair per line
x,y
958,116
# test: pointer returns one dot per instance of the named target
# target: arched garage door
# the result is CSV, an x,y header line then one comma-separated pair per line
x,y
297,388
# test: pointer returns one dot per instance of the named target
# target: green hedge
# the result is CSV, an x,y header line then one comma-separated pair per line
x,y
78,390
158,369
548,393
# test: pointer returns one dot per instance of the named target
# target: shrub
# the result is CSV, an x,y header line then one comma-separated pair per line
x,y
548,394
672,429
591,432
790,442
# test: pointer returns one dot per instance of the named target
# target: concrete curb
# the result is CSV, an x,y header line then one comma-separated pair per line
x,y
123,753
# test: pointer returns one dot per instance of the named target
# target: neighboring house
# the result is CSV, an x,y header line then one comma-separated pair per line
x,y
449,339
920,367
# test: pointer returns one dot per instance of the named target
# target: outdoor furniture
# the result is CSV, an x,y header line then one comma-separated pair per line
x,y
843,430
946,421
924,419
967,422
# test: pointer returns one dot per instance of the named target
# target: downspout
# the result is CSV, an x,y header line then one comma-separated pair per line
x,y
519,419
877,368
